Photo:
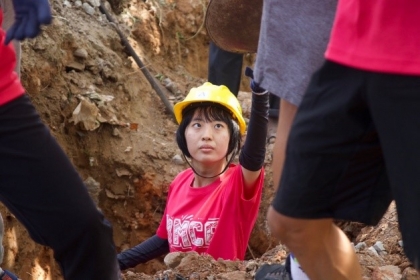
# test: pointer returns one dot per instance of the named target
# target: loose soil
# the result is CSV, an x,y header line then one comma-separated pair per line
x,y
122,138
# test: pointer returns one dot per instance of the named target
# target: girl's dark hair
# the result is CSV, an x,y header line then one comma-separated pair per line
x,y
211,112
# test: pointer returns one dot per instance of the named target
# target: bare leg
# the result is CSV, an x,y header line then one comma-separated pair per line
x,y
322,249
287,114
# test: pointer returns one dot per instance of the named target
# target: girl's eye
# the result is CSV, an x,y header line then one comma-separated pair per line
x,y
218,125
196,125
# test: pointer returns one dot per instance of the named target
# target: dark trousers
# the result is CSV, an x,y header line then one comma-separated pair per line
x,y
225,68
42,189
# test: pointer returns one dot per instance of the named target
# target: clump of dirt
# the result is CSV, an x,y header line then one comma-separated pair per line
x,y
119,134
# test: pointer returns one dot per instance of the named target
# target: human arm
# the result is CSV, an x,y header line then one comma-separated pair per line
x,y
147,250
252,154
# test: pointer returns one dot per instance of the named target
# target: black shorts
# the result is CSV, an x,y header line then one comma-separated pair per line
x,y
354,147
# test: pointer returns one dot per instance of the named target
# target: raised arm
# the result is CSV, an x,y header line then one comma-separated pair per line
x,y
252,154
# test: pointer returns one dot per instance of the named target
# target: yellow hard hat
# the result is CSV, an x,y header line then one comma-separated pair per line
x,y
212,93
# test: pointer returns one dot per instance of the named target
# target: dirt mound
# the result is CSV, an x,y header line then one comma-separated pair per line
x,y
120,136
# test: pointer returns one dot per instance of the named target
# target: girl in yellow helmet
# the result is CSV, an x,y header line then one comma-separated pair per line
x,y
212,206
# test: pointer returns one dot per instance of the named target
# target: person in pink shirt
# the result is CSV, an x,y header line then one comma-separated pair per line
x,y
8,20
38,183
8,13
354,143
213,205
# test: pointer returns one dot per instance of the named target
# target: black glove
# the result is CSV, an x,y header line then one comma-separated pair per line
x,y
29,16
255,87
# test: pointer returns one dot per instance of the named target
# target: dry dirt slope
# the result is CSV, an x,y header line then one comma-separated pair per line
x,y
123,143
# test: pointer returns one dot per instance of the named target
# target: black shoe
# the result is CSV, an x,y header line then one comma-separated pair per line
x,y
274,271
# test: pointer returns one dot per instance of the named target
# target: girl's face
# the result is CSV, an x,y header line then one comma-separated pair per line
x,y
207,141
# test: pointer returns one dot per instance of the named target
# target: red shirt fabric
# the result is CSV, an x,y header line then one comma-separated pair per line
x,y
216,219
10,86
377,35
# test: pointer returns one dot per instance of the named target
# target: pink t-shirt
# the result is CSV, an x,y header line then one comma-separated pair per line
x,y
377,35
215,219
10,86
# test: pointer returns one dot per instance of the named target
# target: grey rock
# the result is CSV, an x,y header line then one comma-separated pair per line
x,y
88,9
177,159
81,53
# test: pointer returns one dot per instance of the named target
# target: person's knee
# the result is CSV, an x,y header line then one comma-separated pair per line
x,y
296,233
283,228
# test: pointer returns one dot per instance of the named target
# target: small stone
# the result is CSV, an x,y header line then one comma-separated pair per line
x,y
373,251
177,159
88,9
172,260
251,265
78,67
81,53
98,81
94,3
92,161
379,246
116,132
93,188
360,246
194,276
170,85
